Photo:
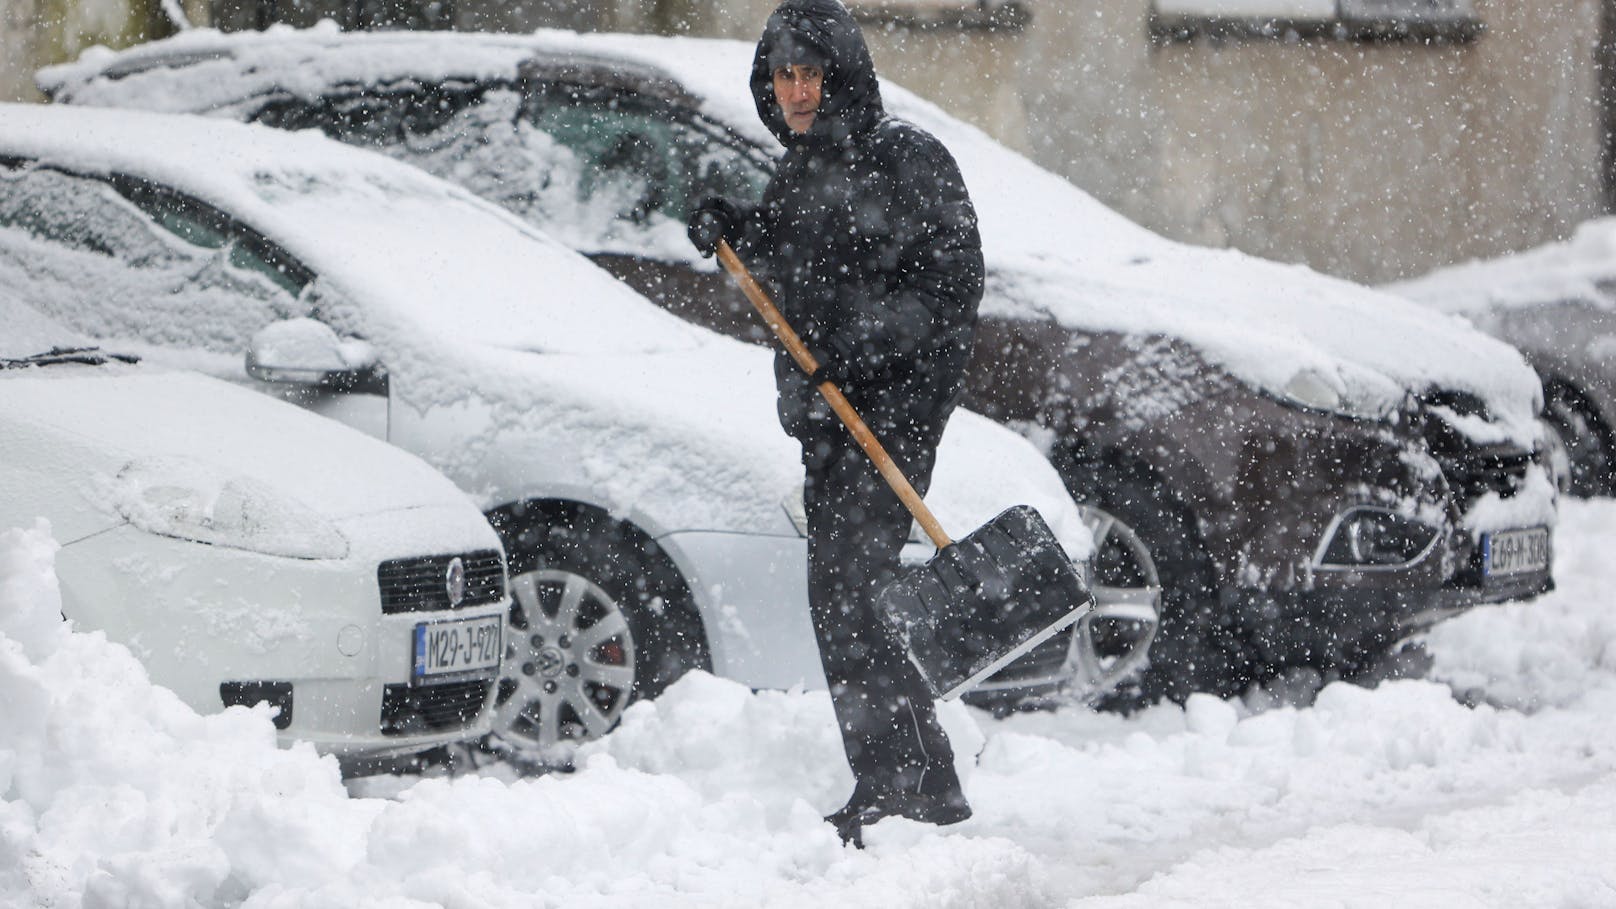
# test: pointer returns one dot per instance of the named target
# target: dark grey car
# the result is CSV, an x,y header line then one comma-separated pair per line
x,y
1310,469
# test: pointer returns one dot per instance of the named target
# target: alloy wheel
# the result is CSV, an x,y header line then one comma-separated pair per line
x,y
1112,642
568,672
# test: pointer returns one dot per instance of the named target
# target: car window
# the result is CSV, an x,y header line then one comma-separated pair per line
x,y
604,170
113,257
77,214
203,226
377,117
649,154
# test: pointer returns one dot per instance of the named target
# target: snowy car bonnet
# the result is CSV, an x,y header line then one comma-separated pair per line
x,y
1579,268
221,438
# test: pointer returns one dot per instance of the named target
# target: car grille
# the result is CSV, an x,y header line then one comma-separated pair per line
x,y
1471,471
432,708
1474,476
421,584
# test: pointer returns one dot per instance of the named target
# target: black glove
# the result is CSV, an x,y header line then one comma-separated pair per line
x,y
840,360
714,219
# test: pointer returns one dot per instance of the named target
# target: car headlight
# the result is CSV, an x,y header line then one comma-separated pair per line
x,y
1312,389
189,500
1368,537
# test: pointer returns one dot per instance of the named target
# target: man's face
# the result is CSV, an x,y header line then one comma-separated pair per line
x,y
797,88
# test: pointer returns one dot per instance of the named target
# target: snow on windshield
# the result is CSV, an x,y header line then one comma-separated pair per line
x,y
490,150
165,289
115,793
454,267
29,331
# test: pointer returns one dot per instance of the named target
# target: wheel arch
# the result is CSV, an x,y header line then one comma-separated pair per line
x,y
1081,467
1557,383
666,579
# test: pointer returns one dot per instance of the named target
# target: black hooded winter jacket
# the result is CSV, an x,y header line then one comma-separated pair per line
x,y
868,233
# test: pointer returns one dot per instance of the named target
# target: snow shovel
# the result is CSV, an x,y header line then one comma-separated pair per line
x,y
980,602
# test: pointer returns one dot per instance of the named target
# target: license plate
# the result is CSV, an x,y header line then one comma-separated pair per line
x,y
454,649
1515,551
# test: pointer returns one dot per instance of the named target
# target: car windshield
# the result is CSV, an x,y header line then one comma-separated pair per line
x,y
409,248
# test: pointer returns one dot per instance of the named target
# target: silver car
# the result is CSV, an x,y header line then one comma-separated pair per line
x,y
1557,305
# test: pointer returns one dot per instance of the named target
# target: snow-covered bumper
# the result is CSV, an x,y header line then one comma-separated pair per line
x,y
353,654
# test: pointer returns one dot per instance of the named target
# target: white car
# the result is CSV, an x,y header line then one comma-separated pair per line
x,y
246,551
632,463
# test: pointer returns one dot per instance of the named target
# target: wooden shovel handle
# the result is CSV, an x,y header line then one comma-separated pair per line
x,y
838,401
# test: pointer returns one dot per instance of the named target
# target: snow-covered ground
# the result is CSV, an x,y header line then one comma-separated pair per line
x,y
115,794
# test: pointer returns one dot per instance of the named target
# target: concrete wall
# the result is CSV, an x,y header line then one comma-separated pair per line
x,y
36,33
17,40
1372,161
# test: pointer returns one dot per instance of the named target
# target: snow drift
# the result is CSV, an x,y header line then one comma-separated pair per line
x,y
115,794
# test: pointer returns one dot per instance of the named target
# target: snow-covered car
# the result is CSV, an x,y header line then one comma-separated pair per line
x,y
1557,305
1311,469
247,551
631,462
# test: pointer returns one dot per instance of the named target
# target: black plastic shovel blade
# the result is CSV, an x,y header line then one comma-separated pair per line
x,y
984,601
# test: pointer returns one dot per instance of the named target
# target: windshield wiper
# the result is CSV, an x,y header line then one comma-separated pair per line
x,y
89,356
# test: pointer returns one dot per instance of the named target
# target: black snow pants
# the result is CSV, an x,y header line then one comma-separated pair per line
x,y
856,527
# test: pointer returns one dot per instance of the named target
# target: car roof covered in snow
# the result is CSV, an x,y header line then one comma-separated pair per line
x,y
1052,250
378,230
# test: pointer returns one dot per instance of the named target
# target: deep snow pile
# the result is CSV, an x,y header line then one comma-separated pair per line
x,y
114,793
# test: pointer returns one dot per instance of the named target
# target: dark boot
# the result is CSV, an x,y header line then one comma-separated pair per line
x,y
936,800
861,808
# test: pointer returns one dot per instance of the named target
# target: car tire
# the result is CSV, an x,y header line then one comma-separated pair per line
x,y
1111,645
1197,647
1587,441
599,618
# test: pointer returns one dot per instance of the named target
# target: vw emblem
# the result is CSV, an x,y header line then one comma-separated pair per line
x,y
550,661
454,581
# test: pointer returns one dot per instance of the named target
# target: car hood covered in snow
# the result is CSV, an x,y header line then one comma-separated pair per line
x,y
1053,252
145,441
1581,269
527,349
139,420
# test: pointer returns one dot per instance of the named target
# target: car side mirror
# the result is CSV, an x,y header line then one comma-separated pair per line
x,y
307,352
